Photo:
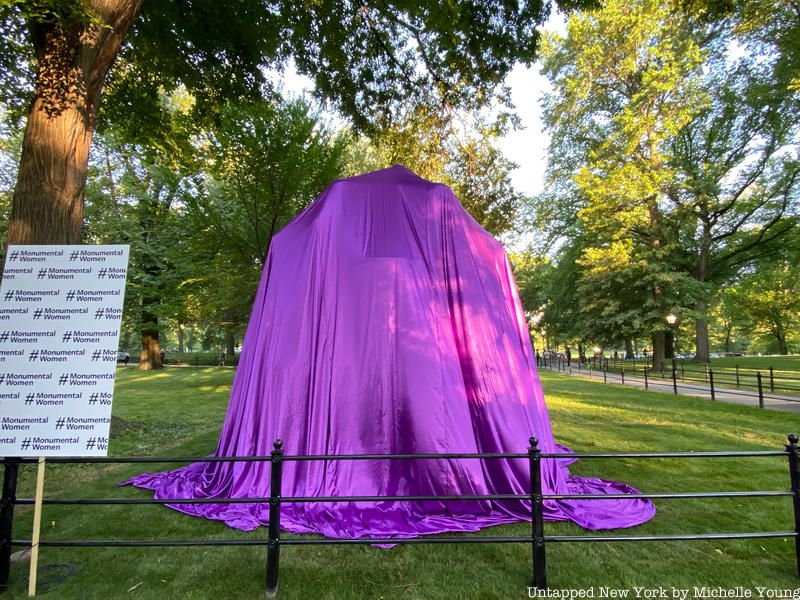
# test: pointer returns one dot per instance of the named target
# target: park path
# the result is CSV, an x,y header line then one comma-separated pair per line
x,y
721,394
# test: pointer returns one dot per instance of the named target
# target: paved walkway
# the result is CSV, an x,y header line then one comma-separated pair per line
x,y
695,388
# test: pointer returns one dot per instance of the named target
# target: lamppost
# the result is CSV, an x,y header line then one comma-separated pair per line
x,y
672,321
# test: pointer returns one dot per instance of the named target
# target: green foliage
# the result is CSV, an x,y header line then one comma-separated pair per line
x,y
368,58
734,197
10,144
532,274
623,86
457,150
264,164
673,162
768,301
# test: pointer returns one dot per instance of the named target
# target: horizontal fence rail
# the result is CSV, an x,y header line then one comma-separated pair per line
x,y
758,385
536,495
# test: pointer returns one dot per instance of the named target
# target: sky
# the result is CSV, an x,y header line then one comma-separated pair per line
x,y
527,147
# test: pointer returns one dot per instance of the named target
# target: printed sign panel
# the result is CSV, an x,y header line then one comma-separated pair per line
x,y
60,313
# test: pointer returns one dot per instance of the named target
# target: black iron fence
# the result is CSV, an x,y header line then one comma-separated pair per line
x,y
756,384
538,539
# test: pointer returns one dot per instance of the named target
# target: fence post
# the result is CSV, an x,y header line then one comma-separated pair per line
x,y
771,381
605,374
645,378
794,474
7,502
674,379
537,516
760,390
274,542
622,374
711,383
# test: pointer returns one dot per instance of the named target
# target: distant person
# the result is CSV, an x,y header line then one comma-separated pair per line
x,y
538,359
569,356
163,355
222,358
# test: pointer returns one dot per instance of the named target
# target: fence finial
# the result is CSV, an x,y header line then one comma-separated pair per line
x,y
277,444
793,439
533,442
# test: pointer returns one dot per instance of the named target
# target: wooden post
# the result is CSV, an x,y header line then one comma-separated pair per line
x,y
37,527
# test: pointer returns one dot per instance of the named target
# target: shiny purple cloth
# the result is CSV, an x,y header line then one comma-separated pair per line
x,y
388,321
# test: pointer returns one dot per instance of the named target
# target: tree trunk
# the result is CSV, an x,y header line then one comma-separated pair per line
x,y
658,350
230,345
629,354
150,357
180,337
702,349
780,334
669,344
73,60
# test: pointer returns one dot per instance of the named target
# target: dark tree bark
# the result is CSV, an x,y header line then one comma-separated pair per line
x,y
702,351
669,344
659,352
780,334
150,357
152,211
629,353
230,345
73,59
702,347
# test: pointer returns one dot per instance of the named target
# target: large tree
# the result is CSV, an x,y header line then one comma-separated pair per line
x,y
623,85
368,58
734,197
768,300
134,194
674,157
263,164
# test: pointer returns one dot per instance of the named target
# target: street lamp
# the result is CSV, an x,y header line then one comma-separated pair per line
x,y
672,321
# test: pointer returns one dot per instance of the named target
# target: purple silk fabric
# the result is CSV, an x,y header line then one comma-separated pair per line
x,y
388,321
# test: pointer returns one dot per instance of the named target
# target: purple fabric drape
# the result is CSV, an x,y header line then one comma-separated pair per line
x,y
388,321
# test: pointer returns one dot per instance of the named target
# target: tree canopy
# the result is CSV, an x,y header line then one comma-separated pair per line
x,y
673,163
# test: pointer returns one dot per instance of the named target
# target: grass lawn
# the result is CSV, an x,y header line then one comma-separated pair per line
x,y
179,412
779,363
786,372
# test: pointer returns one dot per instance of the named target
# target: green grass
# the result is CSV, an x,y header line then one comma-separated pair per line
x,y
785,374
179,412
779,363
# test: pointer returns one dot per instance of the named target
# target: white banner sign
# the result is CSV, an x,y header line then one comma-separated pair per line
x,y
60,313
